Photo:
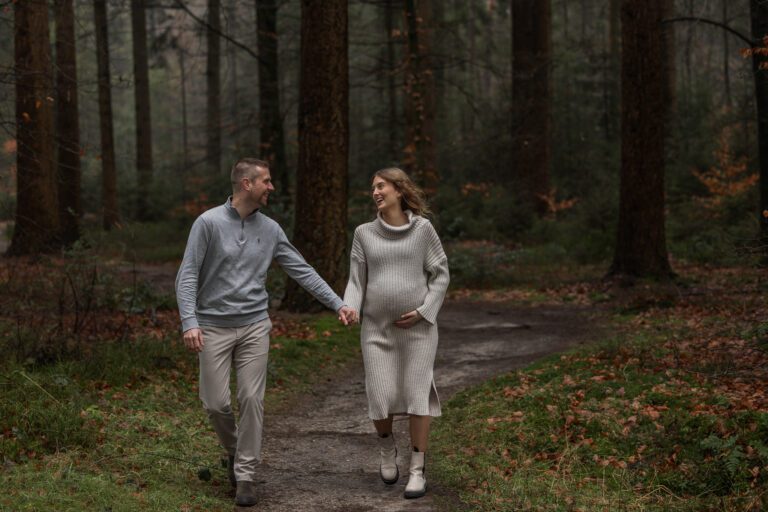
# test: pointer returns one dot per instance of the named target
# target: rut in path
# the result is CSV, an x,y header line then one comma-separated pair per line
x,y
321,455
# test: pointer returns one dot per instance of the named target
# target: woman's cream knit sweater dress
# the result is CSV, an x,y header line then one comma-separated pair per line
x,y
394,270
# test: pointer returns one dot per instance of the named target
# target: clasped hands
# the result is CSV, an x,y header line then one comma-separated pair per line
x,y
349,316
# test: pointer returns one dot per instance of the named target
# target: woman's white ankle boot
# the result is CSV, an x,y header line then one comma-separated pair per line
x,y
417,484
388,467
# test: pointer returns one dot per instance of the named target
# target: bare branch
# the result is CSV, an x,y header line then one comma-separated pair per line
x,y
217,32
720,24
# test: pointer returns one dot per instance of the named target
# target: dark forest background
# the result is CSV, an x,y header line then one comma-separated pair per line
x,y
602,130
598,171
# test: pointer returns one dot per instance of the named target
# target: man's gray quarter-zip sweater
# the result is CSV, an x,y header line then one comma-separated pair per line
x,y
222,278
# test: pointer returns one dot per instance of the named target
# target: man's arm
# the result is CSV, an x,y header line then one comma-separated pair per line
x,y
188,276
294,264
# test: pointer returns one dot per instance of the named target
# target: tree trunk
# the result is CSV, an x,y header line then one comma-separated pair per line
x,y
110,211
641,248
142,106
613,71
212,79
392,117
67,124
420,159
759,16
37,220
272,144
321,182
726,57
531,99
235,102
184,123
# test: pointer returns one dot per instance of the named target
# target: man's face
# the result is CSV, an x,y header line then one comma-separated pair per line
x,y
260,186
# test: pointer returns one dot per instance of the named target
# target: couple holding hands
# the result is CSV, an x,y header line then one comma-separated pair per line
x,y
397,282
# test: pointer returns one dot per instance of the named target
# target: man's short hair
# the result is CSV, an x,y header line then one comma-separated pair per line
x,y
246,168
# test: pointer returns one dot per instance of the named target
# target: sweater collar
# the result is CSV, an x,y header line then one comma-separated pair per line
x,y
391,231
234,213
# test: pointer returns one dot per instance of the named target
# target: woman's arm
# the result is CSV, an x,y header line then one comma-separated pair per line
x,y
436,267
354,296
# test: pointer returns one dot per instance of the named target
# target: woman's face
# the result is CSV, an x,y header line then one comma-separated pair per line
x,y
385,195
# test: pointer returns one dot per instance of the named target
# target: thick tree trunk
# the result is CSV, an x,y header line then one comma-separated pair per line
x,y
37,220
213,82
272,144
142,106
67,123
531,99
110,211
420,159
321,182
759,15
641,248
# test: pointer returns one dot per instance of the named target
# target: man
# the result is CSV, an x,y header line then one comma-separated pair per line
x,y
223,303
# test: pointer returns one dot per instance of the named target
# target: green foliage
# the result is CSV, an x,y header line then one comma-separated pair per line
x,y
40,413
718,238
124,429
597,428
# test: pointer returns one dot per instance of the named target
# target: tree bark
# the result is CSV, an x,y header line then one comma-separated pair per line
x,y
109,206
726,57
67,123
641,248
420,158
233,92
184,124
612,114
320,232
392,117
271,141
142,106
759,16
531,99
37,220
213,82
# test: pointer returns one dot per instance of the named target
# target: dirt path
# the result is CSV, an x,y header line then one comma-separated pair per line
x,y
321,456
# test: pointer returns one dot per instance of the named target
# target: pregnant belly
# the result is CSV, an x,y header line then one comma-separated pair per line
x,y
392,300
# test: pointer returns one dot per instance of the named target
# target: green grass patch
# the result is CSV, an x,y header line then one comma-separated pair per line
x,y
124,430
603,428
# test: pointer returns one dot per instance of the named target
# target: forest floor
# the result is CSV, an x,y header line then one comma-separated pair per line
x,y
137,432
321,454
561,391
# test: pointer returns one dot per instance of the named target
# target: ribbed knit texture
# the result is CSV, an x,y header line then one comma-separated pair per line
x,y
395,270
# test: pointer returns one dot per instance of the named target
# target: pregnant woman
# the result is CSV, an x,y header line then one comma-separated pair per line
x,y
398,279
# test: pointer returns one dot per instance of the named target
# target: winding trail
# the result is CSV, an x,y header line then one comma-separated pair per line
x,y
321,455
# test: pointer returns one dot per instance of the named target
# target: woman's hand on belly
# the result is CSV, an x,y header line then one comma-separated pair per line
x,y
408,320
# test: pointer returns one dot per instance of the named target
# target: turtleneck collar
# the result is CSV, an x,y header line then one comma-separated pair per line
x,y
391,231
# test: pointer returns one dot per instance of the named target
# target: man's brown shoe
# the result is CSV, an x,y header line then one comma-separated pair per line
x,y
246,495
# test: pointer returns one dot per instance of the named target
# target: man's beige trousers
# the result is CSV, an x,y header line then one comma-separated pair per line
x,y
247,347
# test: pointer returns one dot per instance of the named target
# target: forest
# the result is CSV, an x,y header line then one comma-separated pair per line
x,y
598,164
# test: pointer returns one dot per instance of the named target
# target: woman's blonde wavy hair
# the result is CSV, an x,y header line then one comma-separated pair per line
x,y
413,197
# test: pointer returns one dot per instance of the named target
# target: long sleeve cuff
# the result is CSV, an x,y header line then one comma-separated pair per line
x,y
189,323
